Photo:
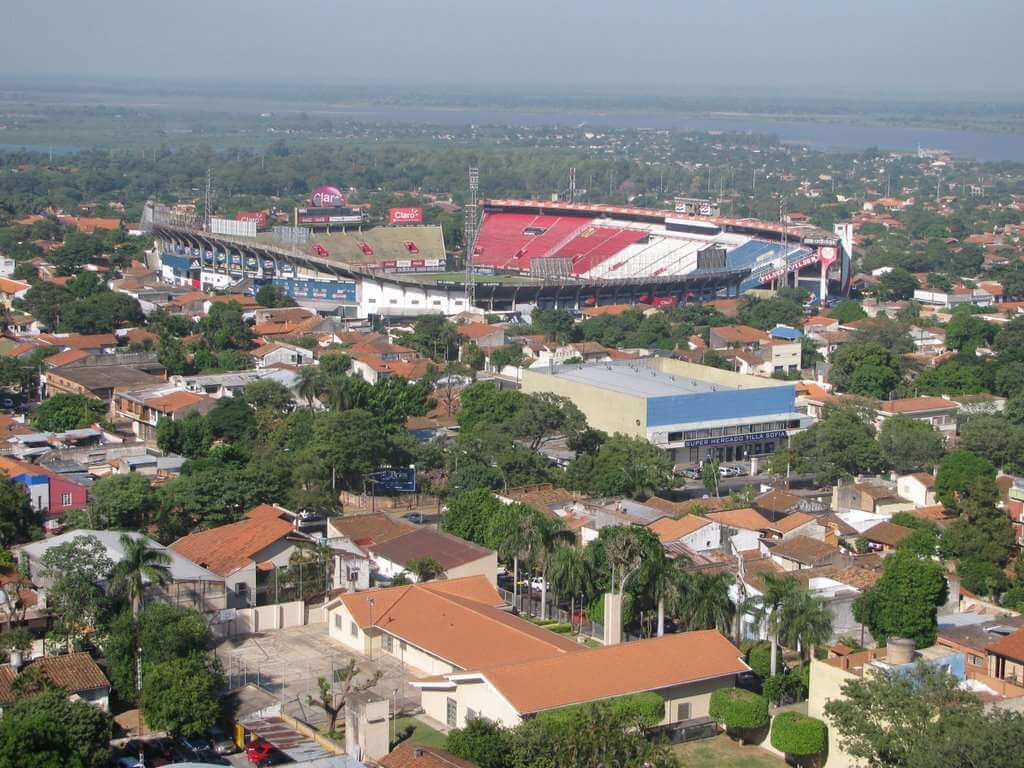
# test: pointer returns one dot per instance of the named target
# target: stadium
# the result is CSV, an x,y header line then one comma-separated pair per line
x,y
569,255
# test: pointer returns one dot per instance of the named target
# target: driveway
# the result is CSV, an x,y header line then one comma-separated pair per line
x,y
288,662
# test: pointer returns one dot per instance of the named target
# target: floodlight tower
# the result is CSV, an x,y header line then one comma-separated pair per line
x,y
470,232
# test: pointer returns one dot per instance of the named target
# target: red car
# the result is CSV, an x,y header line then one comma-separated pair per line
x,y
259,750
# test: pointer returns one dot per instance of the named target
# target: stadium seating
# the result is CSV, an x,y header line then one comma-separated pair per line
x,y
502,244
594,245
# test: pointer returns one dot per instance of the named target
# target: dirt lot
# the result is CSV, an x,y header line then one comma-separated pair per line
x,y
288,662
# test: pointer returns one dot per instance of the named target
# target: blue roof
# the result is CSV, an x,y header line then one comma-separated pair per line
x,y
785,332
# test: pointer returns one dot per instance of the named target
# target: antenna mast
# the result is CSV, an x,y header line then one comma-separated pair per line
x,y
208,200
470,233
572,185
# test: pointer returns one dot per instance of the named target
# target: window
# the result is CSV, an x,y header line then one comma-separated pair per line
x,y
437,302
471,714
975,661
337,621
65,499
682,712
452,713
353,629
389,643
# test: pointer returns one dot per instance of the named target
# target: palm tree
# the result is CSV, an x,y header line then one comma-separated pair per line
x,y
806,623
309,383
140,564
570,575
777,590
703,601
670,584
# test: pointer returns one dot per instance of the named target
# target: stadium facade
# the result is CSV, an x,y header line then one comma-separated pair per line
x,y
527,253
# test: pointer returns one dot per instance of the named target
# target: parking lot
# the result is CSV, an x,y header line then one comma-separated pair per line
x,y
288,662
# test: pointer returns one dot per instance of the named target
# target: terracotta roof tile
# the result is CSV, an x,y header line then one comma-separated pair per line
x,y
408,755
669,529
459,620
227,548
916,404
449,551
804,550
1011,646
776,500
745,518
616,670
376,528
75,673
791,522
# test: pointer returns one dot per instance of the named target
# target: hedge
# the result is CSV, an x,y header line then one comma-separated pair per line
x,y
644,709
562,629
799,735
737,708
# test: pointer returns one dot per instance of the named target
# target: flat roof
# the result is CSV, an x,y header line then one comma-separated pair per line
x,y
632,379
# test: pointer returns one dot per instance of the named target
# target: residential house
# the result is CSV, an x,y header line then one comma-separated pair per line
x,y
233,383
95,342
796,524
248,553
376,359
876,497
800,552
694,532
756,352
972,633
98,382
280,353
917,488
457,557
50,493
144,408
1006,658
939,412
190,585
1015,509
374,528
884,536
409,755
740,527
75,673
483,335
11,290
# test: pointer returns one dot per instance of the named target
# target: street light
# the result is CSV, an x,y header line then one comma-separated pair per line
x,y
371,603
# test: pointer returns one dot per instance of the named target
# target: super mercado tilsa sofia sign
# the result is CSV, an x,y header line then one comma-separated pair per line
x,y
778,434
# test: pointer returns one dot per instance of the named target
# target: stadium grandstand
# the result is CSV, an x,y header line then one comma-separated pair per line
x,y
608,243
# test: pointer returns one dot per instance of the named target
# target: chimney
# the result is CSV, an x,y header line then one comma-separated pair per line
x,y
17,660
899,650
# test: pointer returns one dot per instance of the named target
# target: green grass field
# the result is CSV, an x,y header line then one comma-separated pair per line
x,y
421,733
722,752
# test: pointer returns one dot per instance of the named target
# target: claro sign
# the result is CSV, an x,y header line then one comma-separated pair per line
x,y
405,215
326,196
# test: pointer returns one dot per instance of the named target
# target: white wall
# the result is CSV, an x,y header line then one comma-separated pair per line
x,y
383,298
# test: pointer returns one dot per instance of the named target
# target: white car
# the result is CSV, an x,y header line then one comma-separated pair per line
x,y
537,584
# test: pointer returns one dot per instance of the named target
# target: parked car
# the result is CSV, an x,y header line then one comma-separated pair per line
x,y
416,518
258,750
222,743
276,757
193,745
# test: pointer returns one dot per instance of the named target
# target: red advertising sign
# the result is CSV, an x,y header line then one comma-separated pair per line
x,y
405,215
260,217
327,196
827,254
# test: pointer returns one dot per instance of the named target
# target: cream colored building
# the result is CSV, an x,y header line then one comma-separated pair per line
x,y
693,411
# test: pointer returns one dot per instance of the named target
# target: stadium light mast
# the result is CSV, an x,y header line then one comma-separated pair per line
x,y
208,200
470,232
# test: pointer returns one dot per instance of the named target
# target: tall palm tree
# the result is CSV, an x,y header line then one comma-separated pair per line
x,y
569,572
777,590
703,601
140,564
670,585
309,384
806,623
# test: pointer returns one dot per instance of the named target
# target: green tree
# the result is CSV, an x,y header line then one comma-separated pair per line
x,y
897,283
61,413
140,564
922,718
957,476
865,368
847,311
333,701
50,731
232,419
799,735
435,337
171,354
17,518
121,501
554,324
482,742
164,632
268,395
965,332
805,622
468,514
543,416
75,570
424,569
101,313
274,296
767,313
224,328
842,444
905,600
181,695
740,711
623,466
908,444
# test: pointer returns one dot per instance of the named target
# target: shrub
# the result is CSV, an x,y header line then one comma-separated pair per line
x,y
799,735
784,689
641,709
562,629
759,657
739,709
483,742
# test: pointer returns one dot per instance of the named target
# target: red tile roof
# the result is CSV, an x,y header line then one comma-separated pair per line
x,y
408,755
1011,646
227,548
668,529
746,518
75,673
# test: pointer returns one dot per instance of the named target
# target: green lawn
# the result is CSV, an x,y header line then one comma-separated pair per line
x,y
421,733
722,752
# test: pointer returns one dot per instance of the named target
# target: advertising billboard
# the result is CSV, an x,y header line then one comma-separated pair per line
x,y
827,255
233,227
260,217
335,215
405,215
326,290
396,479
327,196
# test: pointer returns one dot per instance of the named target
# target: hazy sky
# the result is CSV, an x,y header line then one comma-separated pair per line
x,y
866,46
